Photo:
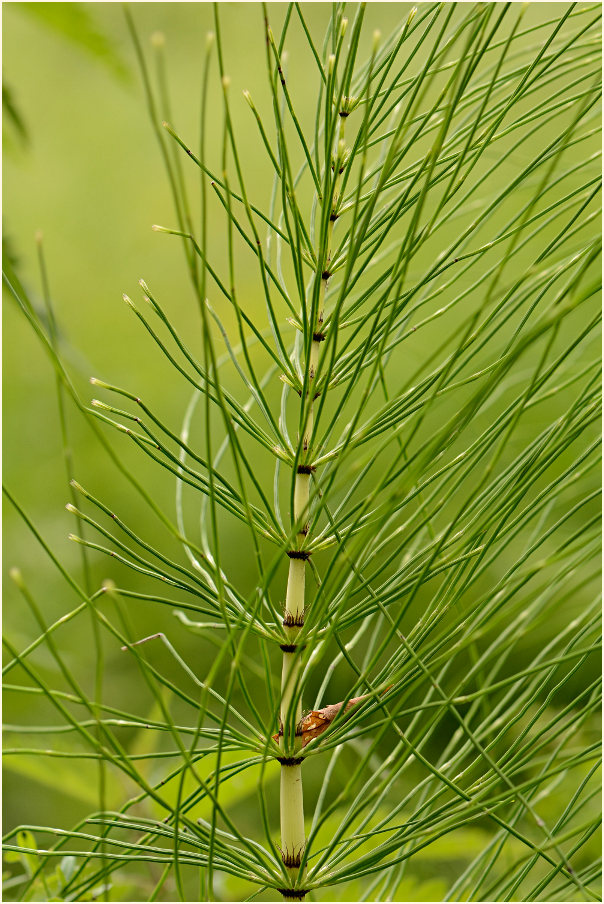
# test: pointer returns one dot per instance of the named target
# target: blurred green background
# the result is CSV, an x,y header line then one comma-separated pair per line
x,y
88,174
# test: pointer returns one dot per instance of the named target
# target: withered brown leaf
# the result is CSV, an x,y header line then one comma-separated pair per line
x,y
318,720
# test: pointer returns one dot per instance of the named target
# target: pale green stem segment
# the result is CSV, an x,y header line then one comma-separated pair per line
x,y
293,837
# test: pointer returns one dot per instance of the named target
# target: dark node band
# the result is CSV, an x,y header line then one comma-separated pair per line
x,y
298,732
344,113
316,396
293,621
325,274
304,469
333,217
318,337
291,860
291,647
290,760
298,554
294,893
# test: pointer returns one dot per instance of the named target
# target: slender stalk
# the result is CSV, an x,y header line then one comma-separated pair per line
x,y
293,838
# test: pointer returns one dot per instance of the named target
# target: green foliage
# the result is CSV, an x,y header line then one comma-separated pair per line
x,y
426,351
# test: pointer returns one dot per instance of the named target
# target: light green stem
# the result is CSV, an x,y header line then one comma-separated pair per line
x,y
293,837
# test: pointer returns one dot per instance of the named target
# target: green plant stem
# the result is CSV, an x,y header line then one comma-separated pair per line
x,y
293,838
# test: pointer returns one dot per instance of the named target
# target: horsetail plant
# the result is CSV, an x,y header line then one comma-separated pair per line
x,y
405,436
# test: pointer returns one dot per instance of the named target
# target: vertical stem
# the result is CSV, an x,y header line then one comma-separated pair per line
x,y
292,818
293,837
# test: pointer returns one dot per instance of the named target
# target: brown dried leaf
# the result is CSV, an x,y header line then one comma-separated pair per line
x,y
318,720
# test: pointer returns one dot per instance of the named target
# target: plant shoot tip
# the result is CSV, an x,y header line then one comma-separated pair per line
x,y
16,576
